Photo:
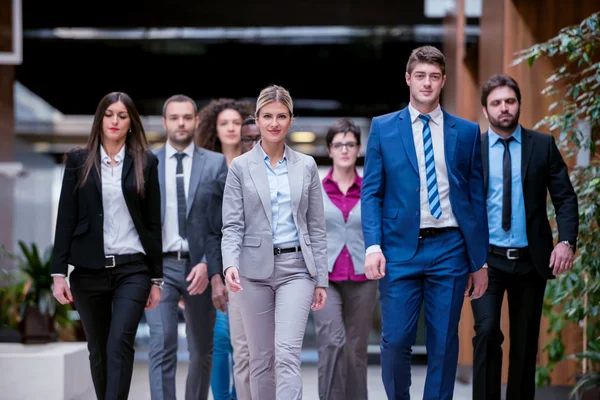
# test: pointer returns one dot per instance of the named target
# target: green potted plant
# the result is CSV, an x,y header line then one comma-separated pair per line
x,y
12,298
42,317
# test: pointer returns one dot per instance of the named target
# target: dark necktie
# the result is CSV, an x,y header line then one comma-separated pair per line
x,y
181,207
506,184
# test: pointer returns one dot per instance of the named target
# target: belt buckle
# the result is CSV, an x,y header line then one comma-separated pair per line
x,y
114,263
509,253
277,251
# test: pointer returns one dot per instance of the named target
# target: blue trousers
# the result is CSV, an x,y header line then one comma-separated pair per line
x,y
221,382
436,276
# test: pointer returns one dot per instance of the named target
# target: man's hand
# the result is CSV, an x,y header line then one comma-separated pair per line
x,y
375,265
199,278
220,297
153,298
561,259
319,298
478,281
61,290
232,278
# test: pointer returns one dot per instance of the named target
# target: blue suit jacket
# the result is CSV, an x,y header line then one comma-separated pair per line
x,y
391,187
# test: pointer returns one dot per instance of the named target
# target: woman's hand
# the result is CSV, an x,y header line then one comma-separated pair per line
x,y
61,291
319,298
154,298
232,278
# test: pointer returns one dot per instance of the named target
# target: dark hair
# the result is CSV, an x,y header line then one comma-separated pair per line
x,y
249,121
178,98
496,81
206,134
345,125
426,55
135,142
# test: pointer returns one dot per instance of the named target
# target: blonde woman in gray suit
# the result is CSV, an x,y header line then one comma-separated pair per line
x,y
274,248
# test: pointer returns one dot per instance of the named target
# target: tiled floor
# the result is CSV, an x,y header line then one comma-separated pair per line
x,y
140,387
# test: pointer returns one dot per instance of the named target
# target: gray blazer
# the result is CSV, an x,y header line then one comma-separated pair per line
x,y
247,231
205,197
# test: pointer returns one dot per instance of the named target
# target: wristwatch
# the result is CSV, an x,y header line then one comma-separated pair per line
x,y
158,284
568,244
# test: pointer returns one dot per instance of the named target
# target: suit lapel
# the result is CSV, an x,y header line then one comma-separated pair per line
x,y
258,173
450,139
408,141
127,163
527,150
95,173
162,165
197,168
485,158
295,177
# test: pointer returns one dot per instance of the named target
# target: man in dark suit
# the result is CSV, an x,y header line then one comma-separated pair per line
x,y
424,224
520,167
191,180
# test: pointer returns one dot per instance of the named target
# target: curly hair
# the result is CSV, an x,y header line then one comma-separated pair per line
x,y
206,134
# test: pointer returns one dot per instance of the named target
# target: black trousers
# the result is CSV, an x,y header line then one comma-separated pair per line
x,y
525,289
110,303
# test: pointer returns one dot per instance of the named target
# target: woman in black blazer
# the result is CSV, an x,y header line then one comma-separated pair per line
x,y
109,229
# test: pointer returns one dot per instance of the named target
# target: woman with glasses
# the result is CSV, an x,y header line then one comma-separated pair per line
x,y
343,325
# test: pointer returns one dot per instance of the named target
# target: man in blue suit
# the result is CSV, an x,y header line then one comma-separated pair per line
x,y
425,226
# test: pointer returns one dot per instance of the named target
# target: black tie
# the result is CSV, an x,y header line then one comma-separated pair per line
x,y
506,184
181,207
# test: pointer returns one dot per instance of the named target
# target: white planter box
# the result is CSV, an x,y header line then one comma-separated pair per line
x,y
53,371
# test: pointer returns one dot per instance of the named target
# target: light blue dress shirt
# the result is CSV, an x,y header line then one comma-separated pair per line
x,y
516,236
285,233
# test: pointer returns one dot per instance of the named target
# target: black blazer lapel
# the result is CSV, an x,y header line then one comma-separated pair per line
x,y
485,159
527,145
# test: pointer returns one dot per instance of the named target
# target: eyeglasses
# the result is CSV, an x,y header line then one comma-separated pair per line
x,y
250,140
349,146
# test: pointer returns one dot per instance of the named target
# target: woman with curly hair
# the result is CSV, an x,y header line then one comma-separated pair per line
x,y
220,130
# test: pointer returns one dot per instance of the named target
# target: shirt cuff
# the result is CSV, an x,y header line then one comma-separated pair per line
x,y
373,249
484,265
63,275
156,279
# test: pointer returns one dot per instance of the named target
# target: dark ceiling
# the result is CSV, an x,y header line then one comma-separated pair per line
x,y
364,76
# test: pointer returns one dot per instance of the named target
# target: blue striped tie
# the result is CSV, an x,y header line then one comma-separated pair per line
x,y
432,188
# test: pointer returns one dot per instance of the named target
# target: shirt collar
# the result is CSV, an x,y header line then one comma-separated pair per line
x,y
357,178
267,158
436,115
171,151
493,136
118,157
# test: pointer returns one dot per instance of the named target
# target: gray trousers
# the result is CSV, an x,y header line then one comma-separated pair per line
x,y
200,317
274,312
343,327
241,353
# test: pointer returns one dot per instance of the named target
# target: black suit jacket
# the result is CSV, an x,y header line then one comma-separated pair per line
x,y
79,238
543,171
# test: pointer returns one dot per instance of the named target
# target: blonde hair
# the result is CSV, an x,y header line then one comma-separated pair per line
x,y
272,94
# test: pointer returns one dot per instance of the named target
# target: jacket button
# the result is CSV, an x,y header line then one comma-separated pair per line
x,y
100,214
417,213
417,189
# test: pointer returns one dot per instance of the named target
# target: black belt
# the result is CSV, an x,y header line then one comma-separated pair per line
x,y
508,253
430,232
278,250
179,255
120,259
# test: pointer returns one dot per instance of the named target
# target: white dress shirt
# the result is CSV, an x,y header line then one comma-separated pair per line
x,y
170,231
120,235
436,124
